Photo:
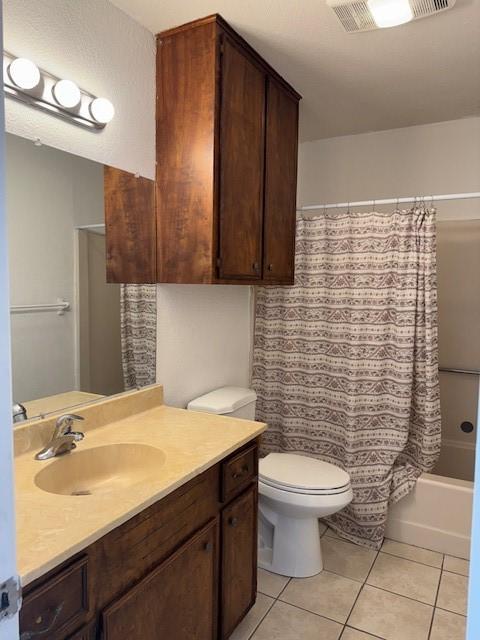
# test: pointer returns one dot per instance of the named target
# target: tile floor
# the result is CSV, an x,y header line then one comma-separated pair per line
x,y
399,593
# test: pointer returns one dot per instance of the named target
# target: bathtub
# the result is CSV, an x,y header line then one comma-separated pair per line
x,y
436,515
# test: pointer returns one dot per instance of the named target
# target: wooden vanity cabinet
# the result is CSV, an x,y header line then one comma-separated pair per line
x,y
226,171
184,568
177,600
239,559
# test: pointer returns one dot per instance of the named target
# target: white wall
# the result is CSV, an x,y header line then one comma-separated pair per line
x,y
105,52
204,339
48,193
428,159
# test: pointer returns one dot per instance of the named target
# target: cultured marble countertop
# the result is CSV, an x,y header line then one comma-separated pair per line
x,y
51,527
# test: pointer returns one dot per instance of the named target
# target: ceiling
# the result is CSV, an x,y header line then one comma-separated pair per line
x,y
424,71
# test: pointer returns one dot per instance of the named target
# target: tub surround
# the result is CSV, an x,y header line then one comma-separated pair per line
x,y
52,528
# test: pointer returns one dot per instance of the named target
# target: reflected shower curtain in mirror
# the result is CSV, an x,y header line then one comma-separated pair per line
x,y
345,362
138,323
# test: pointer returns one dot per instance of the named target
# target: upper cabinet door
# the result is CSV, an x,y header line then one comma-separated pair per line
x,y
129,227
280,185
242,151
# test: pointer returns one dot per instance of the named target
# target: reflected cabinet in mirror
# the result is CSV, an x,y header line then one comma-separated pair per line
x,y
65,318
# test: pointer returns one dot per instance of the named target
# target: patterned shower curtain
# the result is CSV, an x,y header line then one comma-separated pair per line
x,y
345,361
138,323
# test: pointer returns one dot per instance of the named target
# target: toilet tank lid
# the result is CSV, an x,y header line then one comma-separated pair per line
x,y
224,400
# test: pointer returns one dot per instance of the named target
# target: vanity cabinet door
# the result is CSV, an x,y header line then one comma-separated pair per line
x,y
239,559
177,600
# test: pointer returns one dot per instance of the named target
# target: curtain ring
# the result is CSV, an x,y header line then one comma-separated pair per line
x,y
348,208
398,199
374,205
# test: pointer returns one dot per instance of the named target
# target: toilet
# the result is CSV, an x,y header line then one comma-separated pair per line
x,y
294,492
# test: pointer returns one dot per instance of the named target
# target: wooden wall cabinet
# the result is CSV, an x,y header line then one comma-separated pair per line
x,y
226,141
185,568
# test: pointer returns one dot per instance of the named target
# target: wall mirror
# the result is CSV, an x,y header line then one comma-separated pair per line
x,y
65,318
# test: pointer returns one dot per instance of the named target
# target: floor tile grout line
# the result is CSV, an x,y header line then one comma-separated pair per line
x,y
454,612
400,595
424,564
261,619
319,615
436,598
369,633
362,587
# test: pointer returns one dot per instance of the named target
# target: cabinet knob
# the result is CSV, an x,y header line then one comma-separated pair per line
x,y
270,267
233,522
207,546
255,266
240,474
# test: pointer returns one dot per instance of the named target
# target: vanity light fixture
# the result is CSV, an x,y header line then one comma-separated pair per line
x,y
24,73
102,110
67,94
24,81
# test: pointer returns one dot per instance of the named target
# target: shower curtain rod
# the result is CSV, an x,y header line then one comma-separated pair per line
x,y
412,199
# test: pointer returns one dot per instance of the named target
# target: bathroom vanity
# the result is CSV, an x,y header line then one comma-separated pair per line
x,y
182,566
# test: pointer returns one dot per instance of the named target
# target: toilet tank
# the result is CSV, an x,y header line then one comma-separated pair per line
x,y
235,402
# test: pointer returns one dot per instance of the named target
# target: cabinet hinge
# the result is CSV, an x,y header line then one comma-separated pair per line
x,y
10,597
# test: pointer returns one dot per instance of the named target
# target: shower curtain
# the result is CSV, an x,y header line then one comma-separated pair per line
x,y
345,362
138,325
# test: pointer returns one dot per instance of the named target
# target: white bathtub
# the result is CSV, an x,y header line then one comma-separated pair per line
x,y
437,515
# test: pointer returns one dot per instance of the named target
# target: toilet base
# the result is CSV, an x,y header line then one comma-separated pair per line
x,y
296,550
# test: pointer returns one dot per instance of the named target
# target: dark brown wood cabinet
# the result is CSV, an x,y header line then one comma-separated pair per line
x,y
130,230
239,560
242,164
177,600
225,190
184,568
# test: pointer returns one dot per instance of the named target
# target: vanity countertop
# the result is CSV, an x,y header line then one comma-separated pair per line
x,y
52,527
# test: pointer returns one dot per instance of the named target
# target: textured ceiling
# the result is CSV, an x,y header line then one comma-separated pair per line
x,y
425,71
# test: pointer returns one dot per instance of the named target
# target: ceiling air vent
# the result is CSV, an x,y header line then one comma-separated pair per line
x,y
356,16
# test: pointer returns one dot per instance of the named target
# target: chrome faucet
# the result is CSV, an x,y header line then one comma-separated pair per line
x,y
19,413
63,439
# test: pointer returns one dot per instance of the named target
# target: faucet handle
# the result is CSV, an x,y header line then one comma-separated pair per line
x,y
64,423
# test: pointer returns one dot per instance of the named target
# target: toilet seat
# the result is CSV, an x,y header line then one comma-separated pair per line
x,y
299,474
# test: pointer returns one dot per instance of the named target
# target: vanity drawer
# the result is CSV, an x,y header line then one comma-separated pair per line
x,y
55,609
238,472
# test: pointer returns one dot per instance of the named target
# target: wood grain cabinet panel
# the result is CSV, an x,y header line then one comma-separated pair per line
x,y
280,185
242,135
130,230
57,606
176,600
226,155
239,559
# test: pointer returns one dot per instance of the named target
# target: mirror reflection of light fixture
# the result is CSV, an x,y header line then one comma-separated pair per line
x,y
67,94
102,110
24,74
24,81
390,13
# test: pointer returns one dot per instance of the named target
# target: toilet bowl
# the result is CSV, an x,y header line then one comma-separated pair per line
x,y
294,492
